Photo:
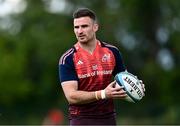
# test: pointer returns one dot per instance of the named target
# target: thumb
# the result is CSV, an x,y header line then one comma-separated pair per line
x,y
112,84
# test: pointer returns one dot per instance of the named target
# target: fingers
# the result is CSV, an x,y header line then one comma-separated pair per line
x,y
118,87
115,91
119,93
112,84
143,86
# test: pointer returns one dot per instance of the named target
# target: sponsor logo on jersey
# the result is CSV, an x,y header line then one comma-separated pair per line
x,y
79,62
95,73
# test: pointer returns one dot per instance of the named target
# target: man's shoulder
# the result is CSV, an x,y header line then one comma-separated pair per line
x,y
66,55
110,46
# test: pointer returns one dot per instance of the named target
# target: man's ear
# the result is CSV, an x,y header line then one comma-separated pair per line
x,y
96,27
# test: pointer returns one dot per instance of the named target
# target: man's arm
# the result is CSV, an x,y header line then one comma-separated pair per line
x,y
75,96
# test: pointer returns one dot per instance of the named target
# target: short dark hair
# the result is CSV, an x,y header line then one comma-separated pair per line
x,y
83,12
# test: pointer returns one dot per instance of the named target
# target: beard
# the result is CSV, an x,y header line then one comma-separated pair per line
x,y
85,39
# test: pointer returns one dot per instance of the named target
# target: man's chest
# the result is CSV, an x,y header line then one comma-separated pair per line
x,y
98,64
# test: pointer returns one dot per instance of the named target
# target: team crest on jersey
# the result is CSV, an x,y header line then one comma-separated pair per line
x,y
94,67
106,58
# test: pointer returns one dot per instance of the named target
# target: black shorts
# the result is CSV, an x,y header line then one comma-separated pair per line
x,y
93,121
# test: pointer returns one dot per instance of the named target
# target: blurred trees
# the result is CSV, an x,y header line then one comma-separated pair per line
x,y
31,43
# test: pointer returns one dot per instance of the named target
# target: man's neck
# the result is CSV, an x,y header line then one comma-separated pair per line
x,y
89,46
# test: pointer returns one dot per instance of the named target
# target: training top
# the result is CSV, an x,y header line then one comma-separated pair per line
x,y
92,72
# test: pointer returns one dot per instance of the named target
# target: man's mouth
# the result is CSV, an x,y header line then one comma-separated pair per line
x,y
80,36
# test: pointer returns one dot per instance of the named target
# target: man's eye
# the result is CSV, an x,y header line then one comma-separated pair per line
x,y
76,27
84,26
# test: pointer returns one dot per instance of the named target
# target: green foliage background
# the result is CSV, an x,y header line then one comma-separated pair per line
x,y
31,45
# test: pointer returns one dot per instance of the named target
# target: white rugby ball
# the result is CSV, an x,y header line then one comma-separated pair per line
x,y
132,86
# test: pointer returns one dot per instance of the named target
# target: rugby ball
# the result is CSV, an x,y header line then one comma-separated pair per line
x,y
132,86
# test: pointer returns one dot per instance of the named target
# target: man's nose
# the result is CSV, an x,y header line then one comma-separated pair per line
x,y
80,30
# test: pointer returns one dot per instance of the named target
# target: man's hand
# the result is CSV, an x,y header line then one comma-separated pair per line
x,y
115,91
143,86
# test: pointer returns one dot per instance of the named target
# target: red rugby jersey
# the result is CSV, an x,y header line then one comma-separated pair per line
x,y
93,72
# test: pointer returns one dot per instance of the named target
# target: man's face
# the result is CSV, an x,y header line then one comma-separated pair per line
x,y
85,29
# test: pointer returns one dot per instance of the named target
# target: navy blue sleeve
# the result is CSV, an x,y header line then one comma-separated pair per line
x,y
66,68
119,67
